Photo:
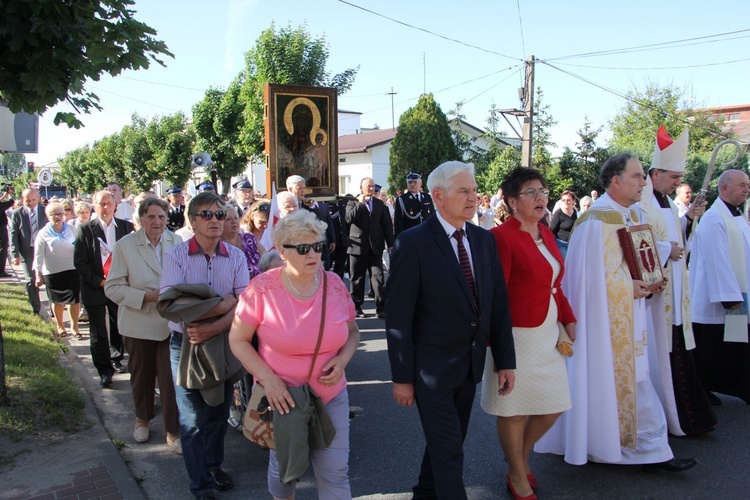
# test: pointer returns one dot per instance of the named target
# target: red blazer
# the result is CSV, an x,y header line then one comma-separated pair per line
x,y
528,275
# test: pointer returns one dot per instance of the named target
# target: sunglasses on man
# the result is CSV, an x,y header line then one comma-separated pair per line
x,y
207,214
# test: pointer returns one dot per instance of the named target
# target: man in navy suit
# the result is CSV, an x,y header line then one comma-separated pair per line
x,y
92,255
25,223
446,300
370,233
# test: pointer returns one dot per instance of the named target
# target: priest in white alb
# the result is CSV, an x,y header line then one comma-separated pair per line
x,y
670,332
719,278
616,415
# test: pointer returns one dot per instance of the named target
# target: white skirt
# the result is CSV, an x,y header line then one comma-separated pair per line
x,y
541,386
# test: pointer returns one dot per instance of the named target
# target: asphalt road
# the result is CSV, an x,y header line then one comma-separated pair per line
x,y
387,445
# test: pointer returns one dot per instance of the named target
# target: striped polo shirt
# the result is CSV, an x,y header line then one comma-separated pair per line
x,y
225,271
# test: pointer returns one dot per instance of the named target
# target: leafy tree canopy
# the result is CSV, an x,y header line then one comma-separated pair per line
x,y
288,56
48,50
634,127
423,141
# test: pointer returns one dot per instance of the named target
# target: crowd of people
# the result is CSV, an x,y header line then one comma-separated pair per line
x,y
577,355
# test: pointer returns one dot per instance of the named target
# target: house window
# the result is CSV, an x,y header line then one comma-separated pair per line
x,y
345,182
734,116
342,159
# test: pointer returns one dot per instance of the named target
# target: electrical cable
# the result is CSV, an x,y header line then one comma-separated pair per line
x,y
657,68
427,31
660,44
645,104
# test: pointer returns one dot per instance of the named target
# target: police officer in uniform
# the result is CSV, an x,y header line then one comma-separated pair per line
x,y
176,212
244,196
413,207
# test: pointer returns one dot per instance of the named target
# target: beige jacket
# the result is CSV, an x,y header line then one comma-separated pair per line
x,y
135,271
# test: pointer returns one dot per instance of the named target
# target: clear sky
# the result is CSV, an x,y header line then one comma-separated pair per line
x,y
209,39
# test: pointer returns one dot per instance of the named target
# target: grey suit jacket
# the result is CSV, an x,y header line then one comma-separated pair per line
x,y
21,244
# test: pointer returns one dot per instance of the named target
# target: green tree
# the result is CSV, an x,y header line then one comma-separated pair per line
x,y
634,127
490,179
106,163
14,164
422,142
497,141
172,144
77,173
48,50
542,138
464,142
137,157
217,120
287,56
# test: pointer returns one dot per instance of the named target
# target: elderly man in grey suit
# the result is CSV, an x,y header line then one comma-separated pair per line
x,y
25,223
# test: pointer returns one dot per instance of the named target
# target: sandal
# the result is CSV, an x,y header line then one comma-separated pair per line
x,y
62,333
78,335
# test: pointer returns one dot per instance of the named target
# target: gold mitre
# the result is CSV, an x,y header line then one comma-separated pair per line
x,y
670,154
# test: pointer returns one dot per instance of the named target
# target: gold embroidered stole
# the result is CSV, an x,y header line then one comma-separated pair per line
x,y
621,312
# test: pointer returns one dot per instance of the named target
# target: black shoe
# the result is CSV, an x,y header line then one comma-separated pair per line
x,y
381,315
3,274
361,313
713,399
371,295
674,465
106,381
118,367
222,481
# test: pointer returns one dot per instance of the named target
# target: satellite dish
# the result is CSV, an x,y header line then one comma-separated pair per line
x,y
202,159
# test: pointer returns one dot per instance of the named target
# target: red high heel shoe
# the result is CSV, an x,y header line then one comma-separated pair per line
x,y
532,480
516,496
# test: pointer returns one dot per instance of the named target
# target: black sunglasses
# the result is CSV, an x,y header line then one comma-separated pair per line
x,y
262,208
304,248
207,214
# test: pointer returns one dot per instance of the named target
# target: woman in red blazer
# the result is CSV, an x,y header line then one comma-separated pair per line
x,y
533,269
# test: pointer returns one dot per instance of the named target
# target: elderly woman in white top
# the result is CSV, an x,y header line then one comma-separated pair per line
x,y
53,264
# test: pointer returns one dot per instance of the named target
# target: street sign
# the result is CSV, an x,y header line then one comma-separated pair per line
x,y
44,177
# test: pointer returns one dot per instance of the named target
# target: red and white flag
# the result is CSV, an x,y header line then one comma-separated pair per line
x,y
273,218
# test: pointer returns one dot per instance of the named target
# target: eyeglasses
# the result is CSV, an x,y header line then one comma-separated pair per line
x,y
533,193
304,248
207,214
57,214
68,209
262,208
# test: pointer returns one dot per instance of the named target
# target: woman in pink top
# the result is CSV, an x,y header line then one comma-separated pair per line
x,y
283,307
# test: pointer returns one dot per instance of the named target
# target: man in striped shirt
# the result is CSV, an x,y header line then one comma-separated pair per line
x,y
208,260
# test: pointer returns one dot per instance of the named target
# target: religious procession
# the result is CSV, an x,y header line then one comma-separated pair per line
x,y
591,334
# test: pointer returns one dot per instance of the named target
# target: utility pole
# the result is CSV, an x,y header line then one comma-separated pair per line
x,y
393,114
528,120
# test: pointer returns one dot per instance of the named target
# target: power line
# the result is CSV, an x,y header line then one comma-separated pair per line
x,y
644,104
428,31
653,45
162,84
520,25
656,68
134,100
487,90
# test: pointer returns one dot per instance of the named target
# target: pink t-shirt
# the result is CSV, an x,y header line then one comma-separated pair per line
x,y
287,328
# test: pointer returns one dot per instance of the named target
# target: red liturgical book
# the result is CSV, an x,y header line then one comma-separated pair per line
x,y
639,247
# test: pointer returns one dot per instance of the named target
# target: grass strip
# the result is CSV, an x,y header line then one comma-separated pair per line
x,y
43,398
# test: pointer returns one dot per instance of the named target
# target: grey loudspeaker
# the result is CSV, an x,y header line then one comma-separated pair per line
x,y
202,159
